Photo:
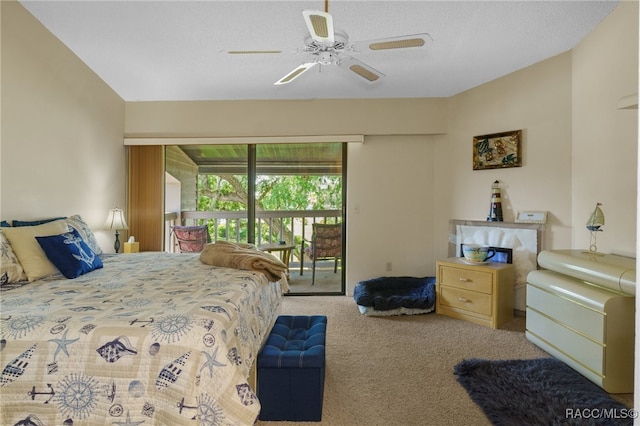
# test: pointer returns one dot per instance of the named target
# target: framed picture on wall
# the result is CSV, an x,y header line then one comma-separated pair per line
x,y
497,150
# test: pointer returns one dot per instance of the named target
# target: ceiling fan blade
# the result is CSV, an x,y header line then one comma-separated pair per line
x,y
400,42
320,25
252,52
295,73
362,70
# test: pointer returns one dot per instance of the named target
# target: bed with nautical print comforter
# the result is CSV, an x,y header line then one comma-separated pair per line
x,y
150,339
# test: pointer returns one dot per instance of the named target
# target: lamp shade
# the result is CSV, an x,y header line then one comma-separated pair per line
x,y
115,220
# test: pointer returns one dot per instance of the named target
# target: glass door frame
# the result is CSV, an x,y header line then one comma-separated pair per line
x,y
252,177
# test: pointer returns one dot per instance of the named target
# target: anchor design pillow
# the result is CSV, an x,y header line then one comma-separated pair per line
x,y
70,254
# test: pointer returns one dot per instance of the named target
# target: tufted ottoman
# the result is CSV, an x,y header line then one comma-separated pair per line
x,y
291,369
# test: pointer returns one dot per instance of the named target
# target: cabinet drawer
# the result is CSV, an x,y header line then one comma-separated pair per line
x,y
576,346
567,312
464,299
467,279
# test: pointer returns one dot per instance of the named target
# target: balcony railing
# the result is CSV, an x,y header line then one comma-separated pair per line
x,y
292,226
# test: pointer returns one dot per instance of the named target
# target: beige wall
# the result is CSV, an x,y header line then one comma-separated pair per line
x,y
605,138
286,118
390,191
536,100
62,130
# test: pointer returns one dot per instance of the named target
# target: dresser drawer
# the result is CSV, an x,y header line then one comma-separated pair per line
x,y
464,299
583,350
467,279
567,312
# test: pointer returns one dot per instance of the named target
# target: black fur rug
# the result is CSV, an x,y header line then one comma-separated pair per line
x,y
542,391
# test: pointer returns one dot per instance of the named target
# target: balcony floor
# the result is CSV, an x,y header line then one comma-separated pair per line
x,y
326,281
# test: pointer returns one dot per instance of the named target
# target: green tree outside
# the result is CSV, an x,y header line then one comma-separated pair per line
x,y
273,192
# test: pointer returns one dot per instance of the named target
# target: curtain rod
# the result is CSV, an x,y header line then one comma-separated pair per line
x,y
243,140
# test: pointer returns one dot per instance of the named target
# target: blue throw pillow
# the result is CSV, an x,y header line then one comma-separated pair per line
x,y
70,254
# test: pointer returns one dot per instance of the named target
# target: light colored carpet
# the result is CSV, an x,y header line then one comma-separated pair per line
x,y
399,370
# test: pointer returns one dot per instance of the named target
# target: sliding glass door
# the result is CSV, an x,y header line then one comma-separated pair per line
x,y
297,187
208,185
272,195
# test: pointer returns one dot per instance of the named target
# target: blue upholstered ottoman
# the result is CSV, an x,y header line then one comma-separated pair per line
x,y
291,369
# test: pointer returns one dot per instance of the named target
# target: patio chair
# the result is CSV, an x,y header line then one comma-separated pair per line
x,y
191,239
326,244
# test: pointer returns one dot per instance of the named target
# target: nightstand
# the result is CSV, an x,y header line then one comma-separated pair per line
x,y
481,293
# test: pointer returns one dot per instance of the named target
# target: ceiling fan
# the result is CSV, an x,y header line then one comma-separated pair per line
x,y
326,45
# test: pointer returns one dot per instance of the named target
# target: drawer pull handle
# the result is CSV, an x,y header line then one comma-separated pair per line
x,y
462,299
464,279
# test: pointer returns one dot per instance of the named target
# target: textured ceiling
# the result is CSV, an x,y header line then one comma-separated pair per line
x,y
177,50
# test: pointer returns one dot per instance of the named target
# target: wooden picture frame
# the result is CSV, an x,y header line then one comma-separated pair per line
x,y
497,150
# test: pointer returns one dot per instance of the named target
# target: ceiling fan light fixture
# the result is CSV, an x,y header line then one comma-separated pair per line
x,y
326,46
397,44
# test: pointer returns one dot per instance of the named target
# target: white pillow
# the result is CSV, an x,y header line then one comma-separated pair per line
x,y
85,232
10,268
31,256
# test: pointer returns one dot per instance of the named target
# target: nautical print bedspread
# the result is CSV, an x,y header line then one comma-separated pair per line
x,y
150,339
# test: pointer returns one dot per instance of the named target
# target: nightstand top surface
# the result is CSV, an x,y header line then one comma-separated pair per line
x,y
462,262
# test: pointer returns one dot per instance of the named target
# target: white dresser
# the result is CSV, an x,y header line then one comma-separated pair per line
x,y
581,310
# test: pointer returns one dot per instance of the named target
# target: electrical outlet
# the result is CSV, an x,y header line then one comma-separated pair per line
x,y
389,266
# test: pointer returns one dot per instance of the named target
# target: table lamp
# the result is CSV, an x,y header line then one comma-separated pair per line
x,y
116,221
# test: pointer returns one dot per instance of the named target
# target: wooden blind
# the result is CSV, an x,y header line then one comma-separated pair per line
x,y
146,196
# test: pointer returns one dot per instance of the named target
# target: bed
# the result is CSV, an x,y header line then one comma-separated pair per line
x,y
147,338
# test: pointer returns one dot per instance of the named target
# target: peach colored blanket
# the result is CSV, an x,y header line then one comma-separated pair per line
x,y
247,257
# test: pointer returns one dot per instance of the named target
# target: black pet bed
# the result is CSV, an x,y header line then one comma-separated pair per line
x,y
396,295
